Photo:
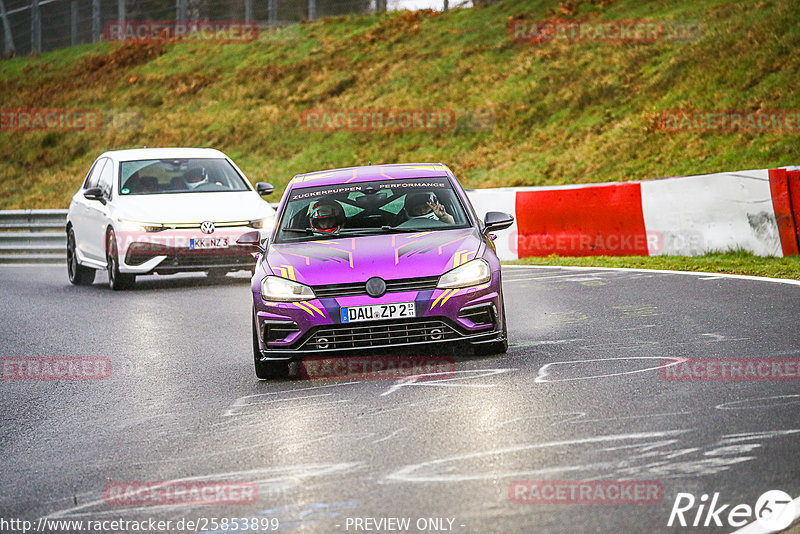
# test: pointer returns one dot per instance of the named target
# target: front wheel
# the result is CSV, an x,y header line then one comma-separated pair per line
x,y
78,274
116,280
266,370
495,347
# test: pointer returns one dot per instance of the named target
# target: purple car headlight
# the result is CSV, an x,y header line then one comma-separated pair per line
x,y
472,273
283,290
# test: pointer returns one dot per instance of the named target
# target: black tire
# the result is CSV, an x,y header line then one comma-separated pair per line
x,y
216,274
78,274
116,280
267,370
495,347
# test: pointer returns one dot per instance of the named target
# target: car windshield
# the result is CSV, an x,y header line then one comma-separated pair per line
x,y
194,175
368,208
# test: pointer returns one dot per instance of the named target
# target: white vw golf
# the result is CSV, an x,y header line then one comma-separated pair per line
x,y
163,210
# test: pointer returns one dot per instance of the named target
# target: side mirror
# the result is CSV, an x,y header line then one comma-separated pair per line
x,y
497,220
94,193
263,188
251,241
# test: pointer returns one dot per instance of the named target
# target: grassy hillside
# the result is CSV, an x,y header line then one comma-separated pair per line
x,y
562,112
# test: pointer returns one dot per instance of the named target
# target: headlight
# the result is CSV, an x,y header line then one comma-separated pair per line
x,y
266,222
471,273
281,289
136,226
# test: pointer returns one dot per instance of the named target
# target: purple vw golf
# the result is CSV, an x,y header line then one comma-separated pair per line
x,y
375,257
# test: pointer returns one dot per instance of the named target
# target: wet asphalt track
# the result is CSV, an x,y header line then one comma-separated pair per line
x,y
565,403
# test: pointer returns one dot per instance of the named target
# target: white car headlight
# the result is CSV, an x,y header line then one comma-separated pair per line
x,y
281,289
266,222
471,273
136,226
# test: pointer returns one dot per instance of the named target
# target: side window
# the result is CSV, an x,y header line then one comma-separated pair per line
x,y
106,177
94,174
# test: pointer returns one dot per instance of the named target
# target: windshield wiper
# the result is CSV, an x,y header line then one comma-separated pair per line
x,y
398,229
312,231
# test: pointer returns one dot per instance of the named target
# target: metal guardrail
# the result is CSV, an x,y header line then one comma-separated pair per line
x,y
33,236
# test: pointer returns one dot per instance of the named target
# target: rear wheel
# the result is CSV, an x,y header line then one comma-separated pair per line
x,y
116,280
78,274
267,370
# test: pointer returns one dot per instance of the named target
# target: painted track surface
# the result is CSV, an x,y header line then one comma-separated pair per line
x,y
575,398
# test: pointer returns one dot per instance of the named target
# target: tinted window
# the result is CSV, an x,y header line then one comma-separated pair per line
x,y
106,177
386,206
195,175
94,174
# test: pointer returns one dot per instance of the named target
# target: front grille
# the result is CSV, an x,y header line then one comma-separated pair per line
x,y
139,253
279,330
367,335
360,288
481,314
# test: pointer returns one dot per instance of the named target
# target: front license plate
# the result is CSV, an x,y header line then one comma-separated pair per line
x,y
208,242
376,312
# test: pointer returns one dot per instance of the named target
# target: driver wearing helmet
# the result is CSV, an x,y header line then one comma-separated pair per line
x,y
426,206
326,215
195,178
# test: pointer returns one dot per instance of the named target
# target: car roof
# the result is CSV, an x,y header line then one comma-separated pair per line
x,y
349,175
162,153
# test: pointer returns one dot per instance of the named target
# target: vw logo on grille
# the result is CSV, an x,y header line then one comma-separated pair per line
x,y
376,287
207,227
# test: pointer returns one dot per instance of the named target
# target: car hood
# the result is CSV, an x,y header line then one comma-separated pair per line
x,y
390,256
193,207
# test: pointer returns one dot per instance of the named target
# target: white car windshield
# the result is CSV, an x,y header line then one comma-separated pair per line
x,y
194,175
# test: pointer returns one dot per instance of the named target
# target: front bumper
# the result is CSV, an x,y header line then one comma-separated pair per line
x,y
173,251
296,330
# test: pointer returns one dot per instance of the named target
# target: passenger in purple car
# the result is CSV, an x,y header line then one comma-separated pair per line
x,y
326,215
426,206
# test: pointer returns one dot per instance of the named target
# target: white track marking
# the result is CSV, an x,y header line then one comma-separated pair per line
x,y
390,436
662,271
748,404
292,475
241,402
445,382
541,377
406,474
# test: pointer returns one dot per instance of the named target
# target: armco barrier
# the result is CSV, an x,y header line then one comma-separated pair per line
x,y
757,211
33,236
